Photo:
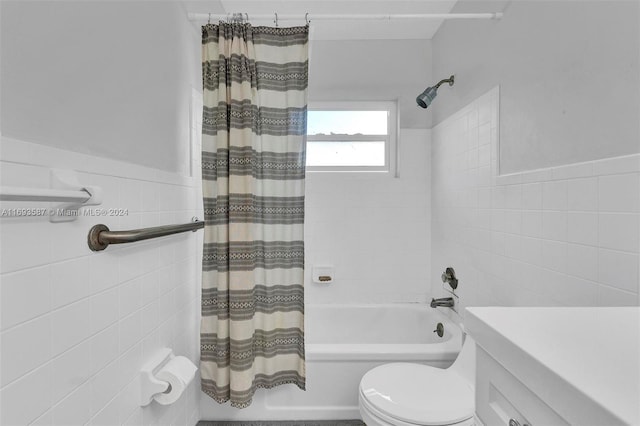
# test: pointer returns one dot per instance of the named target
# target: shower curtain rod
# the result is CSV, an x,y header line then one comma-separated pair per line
x,y
323,17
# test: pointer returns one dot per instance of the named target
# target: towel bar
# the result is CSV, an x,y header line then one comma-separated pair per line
x,y
12,193
63,187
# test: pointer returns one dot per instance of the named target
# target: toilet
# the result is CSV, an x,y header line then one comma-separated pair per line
x,y
407,394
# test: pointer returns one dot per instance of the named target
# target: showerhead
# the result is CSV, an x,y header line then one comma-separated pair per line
x,y
425,98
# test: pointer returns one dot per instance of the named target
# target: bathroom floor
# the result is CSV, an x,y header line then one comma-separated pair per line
x,y
287,423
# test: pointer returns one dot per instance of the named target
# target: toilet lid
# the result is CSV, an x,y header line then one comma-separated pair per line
x,y
419,394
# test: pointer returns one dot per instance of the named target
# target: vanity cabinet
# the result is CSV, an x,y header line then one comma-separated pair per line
x,y
556,366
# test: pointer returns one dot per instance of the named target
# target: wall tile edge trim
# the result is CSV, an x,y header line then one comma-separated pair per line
x,y
606,166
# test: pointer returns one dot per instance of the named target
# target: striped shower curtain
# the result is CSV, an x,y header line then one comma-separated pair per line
x,y
253,169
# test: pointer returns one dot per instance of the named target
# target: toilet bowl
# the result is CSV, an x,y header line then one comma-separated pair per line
x,y
407,394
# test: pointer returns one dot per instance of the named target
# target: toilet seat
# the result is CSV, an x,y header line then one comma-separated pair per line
x,y
416,394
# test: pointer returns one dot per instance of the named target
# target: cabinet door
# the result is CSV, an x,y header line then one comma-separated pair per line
x,y
501,399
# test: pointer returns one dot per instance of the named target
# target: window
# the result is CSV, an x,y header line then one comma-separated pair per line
x,y
351,136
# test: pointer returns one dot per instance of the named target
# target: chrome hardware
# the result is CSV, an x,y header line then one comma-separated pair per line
x,y
439,330
449,276
446,302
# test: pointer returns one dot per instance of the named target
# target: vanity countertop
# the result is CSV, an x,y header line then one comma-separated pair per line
x,y
583,362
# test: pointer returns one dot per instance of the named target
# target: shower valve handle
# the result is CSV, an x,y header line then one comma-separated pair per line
x,y
449,276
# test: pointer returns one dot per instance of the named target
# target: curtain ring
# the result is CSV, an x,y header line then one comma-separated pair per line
x,y
306,18
276,21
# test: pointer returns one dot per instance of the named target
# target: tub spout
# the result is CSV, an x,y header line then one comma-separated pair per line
x,y
447,302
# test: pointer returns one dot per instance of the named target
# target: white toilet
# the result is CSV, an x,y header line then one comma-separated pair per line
x,y
406,394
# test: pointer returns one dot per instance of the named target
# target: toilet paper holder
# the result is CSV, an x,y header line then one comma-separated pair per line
x,y
150,386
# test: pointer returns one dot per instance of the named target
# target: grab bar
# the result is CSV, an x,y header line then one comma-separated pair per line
x,y
100,236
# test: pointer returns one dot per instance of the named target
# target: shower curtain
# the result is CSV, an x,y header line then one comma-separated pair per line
x,y
253,170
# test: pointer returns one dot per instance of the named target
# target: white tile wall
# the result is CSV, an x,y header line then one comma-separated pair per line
x,y
75,326
561,236
375,230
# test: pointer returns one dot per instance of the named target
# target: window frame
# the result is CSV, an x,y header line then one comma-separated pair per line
x,y
390,139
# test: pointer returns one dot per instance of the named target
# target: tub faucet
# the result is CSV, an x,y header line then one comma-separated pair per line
x,y
447,302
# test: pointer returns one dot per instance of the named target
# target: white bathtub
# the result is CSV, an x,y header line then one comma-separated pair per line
x,y
343,342
393,332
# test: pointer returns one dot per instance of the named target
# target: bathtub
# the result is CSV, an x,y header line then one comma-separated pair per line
x,y
343,342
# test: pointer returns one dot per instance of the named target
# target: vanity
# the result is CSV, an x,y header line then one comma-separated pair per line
x,y
556,366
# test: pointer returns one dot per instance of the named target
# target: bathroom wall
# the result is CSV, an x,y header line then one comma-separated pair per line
x,y
354,70
104,89
565,236
373,228
536,189
77,325
104,78
568,74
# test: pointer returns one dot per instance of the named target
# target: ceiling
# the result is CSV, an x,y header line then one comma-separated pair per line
x,y
343,29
